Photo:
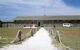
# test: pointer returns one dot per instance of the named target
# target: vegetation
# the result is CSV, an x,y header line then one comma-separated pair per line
x,y
70,37
8,34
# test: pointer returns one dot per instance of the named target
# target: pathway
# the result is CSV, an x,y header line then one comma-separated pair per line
x,y
40,41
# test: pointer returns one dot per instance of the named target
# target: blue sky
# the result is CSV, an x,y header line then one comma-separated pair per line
x,y
9,9
73,3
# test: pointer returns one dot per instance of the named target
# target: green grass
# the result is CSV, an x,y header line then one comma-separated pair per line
x,y
8,34
70,37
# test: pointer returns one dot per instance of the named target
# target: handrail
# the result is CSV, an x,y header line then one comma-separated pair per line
x,y
13,41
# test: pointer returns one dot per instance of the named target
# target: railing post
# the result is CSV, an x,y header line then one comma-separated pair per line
x,y
58,36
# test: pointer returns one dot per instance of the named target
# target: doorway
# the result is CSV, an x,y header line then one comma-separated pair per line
x,y
39,23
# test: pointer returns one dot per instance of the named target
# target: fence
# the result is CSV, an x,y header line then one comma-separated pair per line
x,y
58,37
22,36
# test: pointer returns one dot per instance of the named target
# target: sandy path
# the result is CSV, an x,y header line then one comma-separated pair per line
x,y
40,41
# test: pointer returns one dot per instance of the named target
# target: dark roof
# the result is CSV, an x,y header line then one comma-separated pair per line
x,y
47,18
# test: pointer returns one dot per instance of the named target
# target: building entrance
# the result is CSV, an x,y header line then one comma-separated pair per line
x,y
39,23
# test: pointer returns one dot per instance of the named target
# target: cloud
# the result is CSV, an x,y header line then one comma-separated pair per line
x,y
60,8
10,9
27,2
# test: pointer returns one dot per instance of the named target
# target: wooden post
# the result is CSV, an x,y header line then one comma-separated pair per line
x,y
18,35
0,37
58,36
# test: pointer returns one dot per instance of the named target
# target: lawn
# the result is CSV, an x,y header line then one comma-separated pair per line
x,y
8,34
70,37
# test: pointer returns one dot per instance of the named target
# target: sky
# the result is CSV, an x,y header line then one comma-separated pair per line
x,y
10,9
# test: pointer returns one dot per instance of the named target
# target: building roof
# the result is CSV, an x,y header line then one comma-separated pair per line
x,y
47,18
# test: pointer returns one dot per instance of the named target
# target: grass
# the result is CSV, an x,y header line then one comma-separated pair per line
x,y
8,34
70,37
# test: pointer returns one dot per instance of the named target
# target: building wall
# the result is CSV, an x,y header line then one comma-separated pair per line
x,y
7,24
47,23
29,23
